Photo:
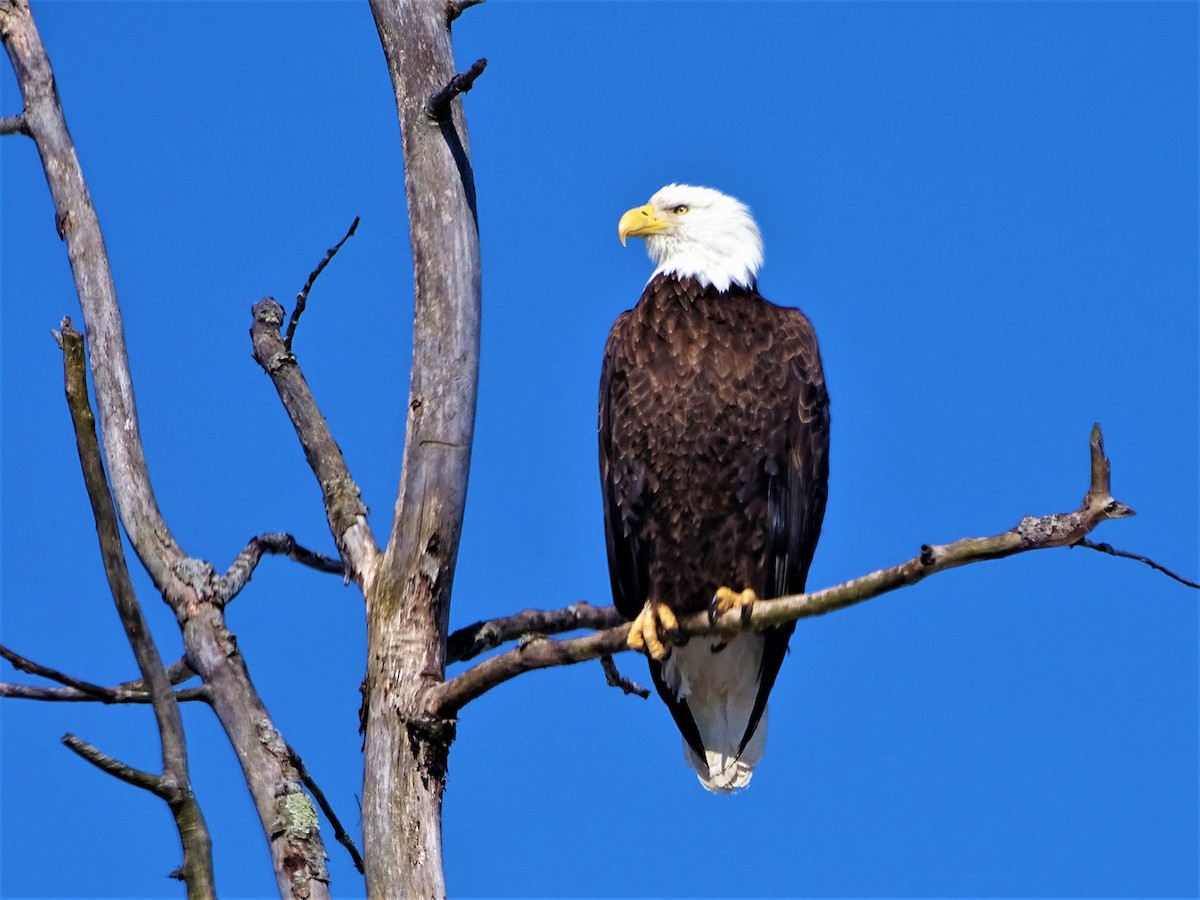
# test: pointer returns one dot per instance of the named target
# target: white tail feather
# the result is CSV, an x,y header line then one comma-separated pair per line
x,y
720,689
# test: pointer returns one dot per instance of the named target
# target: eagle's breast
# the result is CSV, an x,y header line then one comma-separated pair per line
x,y
698,413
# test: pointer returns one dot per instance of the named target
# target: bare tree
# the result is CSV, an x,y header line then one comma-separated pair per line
x,y
409,706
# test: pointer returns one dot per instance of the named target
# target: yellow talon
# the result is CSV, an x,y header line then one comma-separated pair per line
x,y
635,639
727,598
646,631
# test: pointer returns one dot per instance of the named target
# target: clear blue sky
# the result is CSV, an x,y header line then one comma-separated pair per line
x,y
989,210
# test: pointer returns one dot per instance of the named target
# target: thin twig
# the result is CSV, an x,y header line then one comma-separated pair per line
x,y
339,832
73,695
1125,554
439,104
278,544
92,691
302,297
617,680
155,784
1032,533
470,641
126,692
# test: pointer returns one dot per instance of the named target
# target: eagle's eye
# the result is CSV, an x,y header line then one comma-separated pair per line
x,y
680,209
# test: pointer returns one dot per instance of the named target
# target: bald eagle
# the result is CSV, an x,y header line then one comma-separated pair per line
x,y
714,464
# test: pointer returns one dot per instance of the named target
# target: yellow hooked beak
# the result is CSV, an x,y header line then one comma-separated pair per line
x,y
640,222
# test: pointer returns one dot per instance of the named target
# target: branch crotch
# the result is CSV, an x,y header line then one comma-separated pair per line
x,y
429,740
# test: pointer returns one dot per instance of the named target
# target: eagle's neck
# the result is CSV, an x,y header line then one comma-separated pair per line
x,y
724,257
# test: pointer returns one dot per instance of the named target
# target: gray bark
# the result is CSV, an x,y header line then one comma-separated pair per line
x,y
408,603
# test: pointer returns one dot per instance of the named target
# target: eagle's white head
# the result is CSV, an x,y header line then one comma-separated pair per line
x,y
697,232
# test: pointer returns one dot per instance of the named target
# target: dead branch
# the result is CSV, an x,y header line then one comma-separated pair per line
x,y
339,831
456,8
302,297
617,680
74,695
1125,554
344,508
147,781
1031,533
76,690
439,104
174,785
82,689
13,125
470,641
188,585
278,544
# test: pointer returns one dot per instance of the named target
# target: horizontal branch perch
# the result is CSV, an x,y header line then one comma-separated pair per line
x,y
1031,533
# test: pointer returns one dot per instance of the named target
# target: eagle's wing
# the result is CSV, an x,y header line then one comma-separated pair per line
x,y
623,481
797,470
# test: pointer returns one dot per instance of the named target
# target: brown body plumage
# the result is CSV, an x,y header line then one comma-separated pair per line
x,y
714,437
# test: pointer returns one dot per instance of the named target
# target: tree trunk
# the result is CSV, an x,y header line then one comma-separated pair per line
x,y
408,603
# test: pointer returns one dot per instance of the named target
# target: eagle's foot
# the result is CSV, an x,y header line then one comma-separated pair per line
x,y
653,624
726,599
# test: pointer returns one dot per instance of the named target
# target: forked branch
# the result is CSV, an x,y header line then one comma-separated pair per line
x,y
277,544
190,586
82,689
76,690
470,641
1031,533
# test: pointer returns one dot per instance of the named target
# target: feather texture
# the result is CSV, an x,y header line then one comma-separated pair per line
x,y
714,436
